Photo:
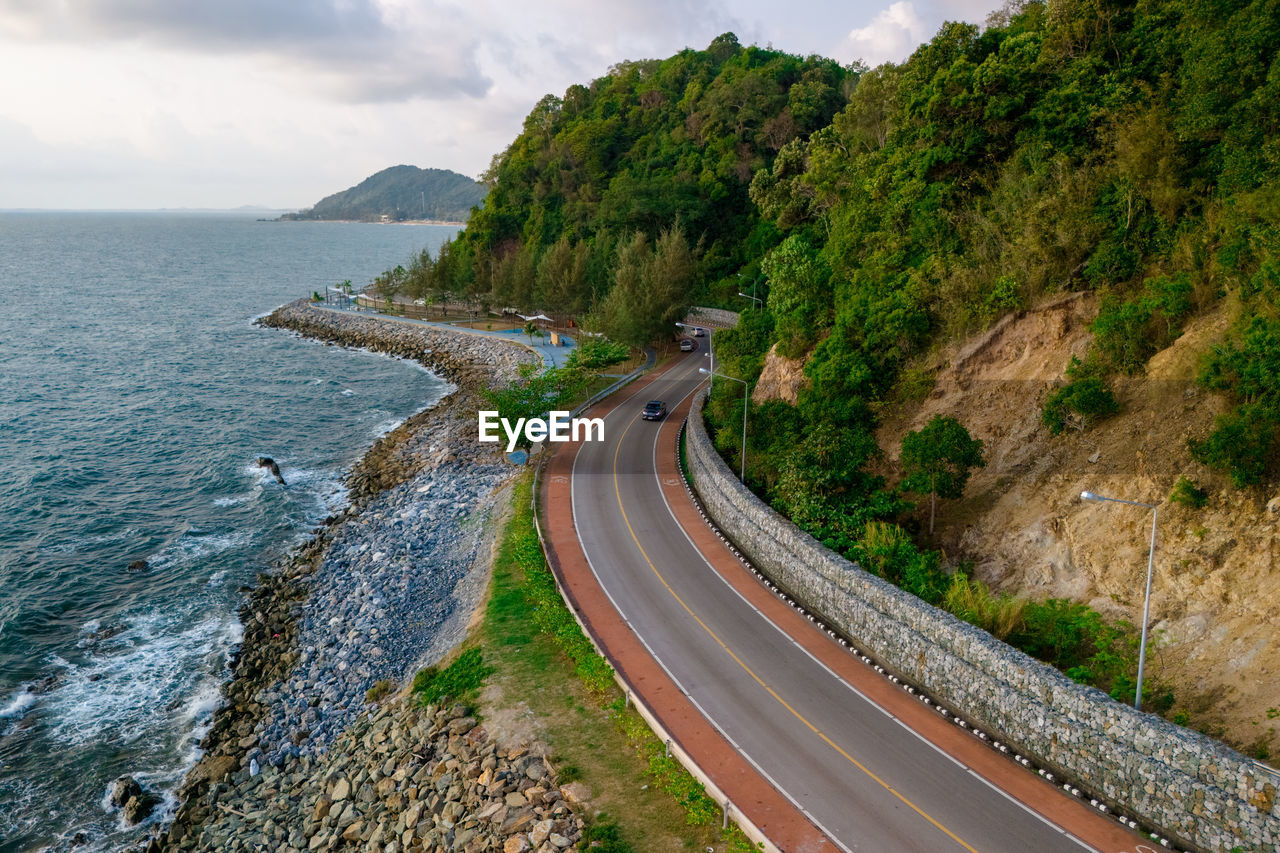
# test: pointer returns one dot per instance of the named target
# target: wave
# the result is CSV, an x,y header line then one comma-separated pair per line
x,y
151,676
193,546
19,703
80,543
383,427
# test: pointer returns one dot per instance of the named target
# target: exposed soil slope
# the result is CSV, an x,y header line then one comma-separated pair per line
x,y
1022,523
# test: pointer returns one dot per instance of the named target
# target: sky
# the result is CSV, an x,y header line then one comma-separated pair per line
x,y
144,104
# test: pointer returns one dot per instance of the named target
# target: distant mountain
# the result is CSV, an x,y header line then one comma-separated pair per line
x,y
400,193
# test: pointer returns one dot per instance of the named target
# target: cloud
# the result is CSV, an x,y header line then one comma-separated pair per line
x,y
892,35
365,51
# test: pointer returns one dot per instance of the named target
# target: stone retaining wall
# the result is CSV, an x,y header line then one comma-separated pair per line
x,y
1191,786
716,317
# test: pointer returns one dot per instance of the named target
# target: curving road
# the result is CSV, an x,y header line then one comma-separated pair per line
x,y
854,768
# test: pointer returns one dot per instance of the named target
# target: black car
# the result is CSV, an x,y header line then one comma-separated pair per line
x,y
654,410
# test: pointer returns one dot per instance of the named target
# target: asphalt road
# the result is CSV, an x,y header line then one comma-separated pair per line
x,y
864,778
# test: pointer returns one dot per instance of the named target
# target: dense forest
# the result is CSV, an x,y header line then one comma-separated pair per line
x,y
641,178
1126,149
399,193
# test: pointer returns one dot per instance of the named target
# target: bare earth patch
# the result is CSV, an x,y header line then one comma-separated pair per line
x,y
1023,525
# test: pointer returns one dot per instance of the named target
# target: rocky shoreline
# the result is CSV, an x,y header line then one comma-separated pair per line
x,y
297,757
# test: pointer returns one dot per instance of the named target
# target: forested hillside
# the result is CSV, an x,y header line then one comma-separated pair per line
x,y
1125,151
598,176
400,193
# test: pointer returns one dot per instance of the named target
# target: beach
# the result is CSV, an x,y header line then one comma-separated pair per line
x,y
299,756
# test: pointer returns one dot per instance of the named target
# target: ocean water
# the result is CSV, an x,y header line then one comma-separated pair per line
x,y
135,397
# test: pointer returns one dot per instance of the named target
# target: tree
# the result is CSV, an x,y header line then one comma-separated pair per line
x,y
650,291
937,459
536,393
531,329
798,294
390,283
824,485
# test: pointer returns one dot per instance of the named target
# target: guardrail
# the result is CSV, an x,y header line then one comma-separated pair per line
x,y
651,358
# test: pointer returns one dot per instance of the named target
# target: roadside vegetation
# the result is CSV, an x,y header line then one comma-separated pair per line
x,y
1127,150
641,799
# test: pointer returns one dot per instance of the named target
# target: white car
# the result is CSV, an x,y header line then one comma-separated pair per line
x,y
687,345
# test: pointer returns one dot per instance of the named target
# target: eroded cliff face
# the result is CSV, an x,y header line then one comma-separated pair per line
x,y
781,379
1216,594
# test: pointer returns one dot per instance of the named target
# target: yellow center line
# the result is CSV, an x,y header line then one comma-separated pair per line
x,y
855,762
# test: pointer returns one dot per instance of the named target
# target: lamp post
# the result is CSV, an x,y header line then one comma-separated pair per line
x,y
755,299
743,472
1146,603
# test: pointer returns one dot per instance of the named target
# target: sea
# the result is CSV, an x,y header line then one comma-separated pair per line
x,y
136,395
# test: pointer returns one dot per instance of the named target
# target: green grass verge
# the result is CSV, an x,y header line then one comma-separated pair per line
x,y
541,657
460,680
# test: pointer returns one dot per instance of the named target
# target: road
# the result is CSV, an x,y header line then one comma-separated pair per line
x,y
855,769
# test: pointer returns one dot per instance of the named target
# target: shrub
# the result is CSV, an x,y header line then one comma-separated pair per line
x,y
1005,296
1128,332
971,600
1243,443
886,550
379,690
1074,638
597,353
1186,493
603,835
1078,404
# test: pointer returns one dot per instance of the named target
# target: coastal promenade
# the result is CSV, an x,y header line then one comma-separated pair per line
x,y
820,745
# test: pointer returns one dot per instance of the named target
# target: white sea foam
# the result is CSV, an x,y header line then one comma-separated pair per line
x,y
347,392
384,427
123,694
19,703
323,486
193,546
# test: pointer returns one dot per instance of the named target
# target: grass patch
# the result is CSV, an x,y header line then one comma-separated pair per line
x,y
642,800
379,690
460,680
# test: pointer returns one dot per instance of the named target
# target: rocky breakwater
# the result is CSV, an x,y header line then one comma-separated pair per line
x,y
383,589
403,778
467,360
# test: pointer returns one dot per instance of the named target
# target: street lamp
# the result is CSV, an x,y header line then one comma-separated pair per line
x,y
1146,604
755,299
743,474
